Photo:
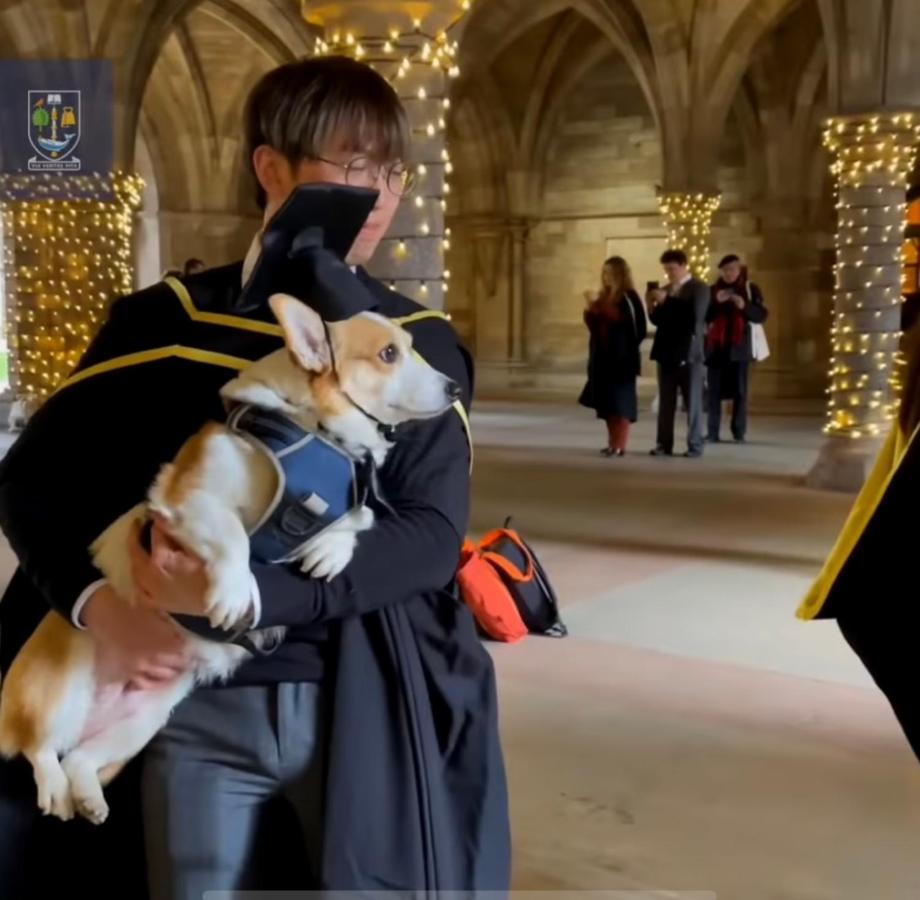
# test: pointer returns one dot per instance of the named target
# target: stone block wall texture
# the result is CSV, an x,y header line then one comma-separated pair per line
x,y
599,199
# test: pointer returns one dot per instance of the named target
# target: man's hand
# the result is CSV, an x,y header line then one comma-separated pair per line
x,y
169,578
137,646
656,296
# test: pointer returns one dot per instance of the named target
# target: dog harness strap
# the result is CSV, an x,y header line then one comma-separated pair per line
x,y
317,482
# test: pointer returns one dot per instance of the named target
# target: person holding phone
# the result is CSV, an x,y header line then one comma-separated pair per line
x,y
679,313
291,775
736,304
616,323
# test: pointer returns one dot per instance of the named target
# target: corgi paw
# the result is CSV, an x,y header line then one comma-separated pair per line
x,y
92,806
229,601
328,555
55,798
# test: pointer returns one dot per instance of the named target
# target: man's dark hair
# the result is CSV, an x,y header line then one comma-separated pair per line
x,y
674,256
192,263
728,260
306,108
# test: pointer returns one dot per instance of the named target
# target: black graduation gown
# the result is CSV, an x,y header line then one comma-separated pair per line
x,y
614,362
868,583
416,794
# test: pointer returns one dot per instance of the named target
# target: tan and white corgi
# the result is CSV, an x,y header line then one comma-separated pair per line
x,y
354,380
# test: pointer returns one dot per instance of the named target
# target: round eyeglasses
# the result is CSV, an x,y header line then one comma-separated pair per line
x,y
362,171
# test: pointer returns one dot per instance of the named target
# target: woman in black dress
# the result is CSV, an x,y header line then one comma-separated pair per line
x,y
616,321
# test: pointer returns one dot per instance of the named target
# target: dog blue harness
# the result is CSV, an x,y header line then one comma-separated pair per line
x,y
319,482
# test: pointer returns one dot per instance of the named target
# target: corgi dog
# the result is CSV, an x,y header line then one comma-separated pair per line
x,y
353,381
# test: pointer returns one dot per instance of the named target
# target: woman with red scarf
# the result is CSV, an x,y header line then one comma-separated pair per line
x,y
616,321
736,304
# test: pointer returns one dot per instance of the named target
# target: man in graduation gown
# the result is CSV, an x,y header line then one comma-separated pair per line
x,y
868,583
364,752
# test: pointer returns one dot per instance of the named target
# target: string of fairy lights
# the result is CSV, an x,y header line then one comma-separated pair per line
x,y
688,218
419,64
66,254
67,240
873,158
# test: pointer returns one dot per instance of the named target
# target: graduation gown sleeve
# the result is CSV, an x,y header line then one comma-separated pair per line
x,y
868,581
86,456
148,381
413,736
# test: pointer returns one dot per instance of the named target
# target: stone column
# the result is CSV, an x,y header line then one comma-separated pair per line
x,y
517,352
688,217
67,252
417,54
874,156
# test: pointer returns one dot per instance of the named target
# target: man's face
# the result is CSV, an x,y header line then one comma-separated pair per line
x,y
731,272
675,272
282,178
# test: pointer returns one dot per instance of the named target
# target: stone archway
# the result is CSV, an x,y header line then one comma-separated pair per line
x,y
210,57
546,231
135,34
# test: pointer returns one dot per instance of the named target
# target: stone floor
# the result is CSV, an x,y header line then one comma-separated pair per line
x,y
690,734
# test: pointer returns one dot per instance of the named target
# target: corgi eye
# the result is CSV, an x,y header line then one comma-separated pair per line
x,y
389,354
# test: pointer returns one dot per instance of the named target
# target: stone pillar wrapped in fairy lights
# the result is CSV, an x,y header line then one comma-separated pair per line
x,y
67,252
873,157
688,218
417,54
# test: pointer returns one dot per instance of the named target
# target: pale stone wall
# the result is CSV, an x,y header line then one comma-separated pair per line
x,y
601,171
217,238
600,200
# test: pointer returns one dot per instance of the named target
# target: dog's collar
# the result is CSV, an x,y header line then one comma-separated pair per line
x,y
387,432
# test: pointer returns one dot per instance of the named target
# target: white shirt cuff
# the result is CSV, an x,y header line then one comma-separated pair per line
x,y
256,600
82,600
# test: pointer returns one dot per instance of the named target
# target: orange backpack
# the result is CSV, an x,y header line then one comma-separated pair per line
x,y
507,590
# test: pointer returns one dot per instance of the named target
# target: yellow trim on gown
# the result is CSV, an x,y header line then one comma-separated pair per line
x,y
867,502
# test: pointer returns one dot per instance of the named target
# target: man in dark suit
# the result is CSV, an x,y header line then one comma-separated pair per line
x,y
679,313
379,707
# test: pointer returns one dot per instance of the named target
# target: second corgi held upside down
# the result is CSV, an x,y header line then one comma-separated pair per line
x,y
352,380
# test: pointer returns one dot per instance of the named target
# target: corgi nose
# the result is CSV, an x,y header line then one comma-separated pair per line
x,y
453,389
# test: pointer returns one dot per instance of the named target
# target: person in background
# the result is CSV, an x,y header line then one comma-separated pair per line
x,y
736,304
193,266
679,313
616,322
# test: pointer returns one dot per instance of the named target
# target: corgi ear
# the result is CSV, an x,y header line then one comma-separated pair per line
x,y
304,332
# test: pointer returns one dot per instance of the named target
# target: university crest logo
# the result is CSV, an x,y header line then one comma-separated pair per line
x,y
54,130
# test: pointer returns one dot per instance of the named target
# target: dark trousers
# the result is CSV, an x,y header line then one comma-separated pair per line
x,y
688,380
233,793
232,800
717,375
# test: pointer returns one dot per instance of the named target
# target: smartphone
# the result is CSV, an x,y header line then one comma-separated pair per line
x,y
331,215
651,286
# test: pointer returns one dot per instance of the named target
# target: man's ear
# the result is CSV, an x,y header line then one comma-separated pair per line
x,y
304,332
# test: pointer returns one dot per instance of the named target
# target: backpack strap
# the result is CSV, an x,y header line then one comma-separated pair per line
x,y
499,561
